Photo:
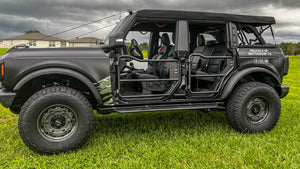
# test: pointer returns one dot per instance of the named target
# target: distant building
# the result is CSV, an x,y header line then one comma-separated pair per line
x,y
85,41
34,40
39,40
1,43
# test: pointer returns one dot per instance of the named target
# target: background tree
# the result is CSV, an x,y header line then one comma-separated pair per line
x,y
144,46
31,31
290,48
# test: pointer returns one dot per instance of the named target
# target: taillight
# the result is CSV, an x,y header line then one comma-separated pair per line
x,y
2,69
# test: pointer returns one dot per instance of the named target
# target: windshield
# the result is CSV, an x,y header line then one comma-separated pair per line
x,y
114,30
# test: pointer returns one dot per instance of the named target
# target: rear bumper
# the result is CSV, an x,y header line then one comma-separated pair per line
x,y
6,98
284,91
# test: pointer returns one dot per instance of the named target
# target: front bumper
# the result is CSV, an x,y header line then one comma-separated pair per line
x,y
283,91
6,98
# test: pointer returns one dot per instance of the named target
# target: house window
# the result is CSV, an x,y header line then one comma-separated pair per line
x,y
63,44
32,42
51,43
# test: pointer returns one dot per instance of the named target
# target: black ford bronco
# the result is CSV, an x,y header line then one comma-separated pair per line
x,y
195,60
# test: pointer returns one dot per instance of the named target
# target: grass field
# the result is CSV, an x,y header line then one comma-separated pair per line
x,y
173,139
3,50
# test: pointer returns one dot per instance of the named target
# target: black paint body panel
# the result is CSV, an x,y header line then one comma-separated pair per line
x,y
268,58
91,62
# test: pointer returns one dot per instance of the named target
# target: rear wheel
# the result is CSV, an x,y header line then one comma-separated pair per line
x,y
253,107
56,119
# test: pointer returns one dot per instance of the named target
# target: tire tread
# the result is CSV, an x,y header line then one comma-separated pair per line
x,y
233,105
47,92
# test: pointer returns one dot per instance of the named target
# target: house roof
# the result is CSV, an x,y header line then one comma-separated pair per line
x,y
35,36
173,14
86,40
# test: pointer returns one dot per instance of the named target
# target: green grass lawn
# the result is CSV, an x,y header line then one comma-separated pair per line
x,y
173,139
2,51
294,57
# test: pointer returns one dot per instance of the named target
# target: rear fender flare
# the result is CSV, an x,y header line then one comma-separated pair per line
x,y
235,78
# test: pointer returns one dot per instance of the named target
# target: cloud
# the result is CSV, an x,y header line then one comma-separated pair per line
x,y
54,16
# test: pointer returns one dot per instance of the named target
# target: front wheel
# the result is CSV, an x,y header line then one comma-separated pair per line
x,y
56,119
253,107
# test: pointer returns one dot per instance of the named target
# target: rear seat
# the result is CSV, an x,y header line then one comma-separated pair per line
x,y
206,50
202,66
200,44
196,60
215,66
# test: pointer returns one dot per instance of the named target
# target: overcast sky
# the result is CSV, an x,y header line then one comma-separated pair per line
x,y
53,16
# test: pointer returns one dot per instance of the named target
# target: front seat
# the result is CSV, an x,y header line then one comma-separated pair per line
x,y
172,54
162,54
164,50
159,70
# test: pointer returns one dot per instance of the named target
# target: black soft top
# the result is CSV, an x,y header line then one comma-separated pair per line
x,y
189,15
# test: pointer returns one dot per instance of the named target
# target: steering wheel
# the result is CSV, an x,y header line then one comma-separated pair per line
x,y
135,49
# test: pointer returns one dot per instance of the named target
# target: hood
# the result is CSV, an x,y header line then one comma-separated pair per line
x,y
55,52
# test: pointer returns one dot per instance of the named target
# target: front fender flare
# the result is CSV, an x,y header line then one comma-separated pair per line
x,y
61,71
236,77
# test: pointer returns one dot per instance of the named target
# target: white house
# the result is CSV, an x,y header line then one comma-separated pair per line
x,y
34,40
85,41
39,40
1,43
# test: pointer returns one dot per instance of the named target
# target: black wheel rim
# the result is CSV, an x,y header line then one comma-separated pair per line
x,y
57,122
257,109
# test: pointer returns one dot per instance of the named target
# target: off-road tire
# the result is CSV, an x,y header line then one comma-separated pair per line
x,y
241,108
36,138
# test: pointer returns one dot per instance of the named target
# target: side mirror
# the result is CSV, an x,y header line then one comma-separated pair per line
x,y
232,36
117,40
182,44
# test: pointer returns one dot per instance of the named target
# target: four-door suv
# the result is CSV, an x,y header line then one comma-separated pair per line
x,y
195,60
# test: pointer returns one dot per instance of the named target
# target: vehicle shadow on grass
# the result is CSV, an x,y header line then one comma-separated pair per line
x,y
157,123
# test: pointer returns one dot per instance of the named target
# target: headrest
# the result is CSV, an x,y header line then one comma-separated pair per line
x,y
212,43
200,40
165,40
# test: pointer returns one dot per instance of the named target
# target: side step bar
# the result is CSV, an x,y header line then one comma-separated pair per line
x,y
164,107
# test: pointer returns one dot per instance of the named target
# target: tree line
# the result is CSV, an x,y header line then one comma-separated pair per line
x,y
290,48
